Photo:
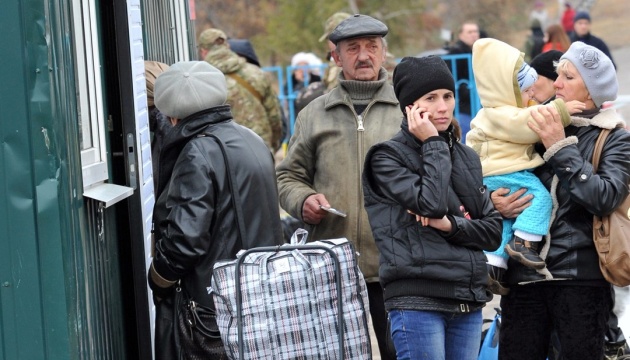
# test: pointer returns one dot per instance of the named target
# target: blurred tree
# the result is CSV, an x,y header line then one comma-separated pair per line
x,y
280,28
296,26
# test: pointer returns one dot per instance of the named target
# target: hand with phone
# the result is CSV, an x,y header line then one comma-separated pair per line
x,y
315,208
333,211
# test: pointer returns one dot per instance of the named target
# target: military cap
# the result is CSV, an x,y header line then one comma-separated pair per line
x,y
357,26
209,36
332,23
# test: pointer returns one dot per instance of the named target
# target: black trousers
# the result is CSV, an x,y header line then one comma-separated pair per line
x,y
379,321
164,338
579,314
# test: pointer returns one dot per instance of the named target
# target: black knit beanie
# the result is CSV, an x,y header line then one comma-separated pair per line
x,y
543,64
414,77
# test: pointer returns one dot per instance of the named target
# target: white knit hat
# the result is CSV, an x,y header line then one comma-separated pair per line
x,y
189,87
526,77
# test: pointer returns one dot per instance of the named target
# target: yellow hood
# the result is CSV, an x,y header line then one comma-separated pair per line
x,y
499,132
498,63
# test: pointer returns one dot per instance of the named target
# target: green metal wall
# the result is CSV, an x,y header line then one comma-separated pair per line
x,y
32,297
60,292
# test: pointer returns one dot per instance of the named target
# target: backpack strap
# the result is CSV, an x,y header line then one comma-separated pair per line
x,y
246,85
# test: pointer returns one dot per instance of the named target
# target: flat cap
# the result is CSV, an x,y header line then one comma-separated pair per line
x,y
357,26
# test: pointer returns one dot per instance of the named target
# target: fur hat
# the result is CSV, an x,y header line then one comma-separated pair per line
x,y
414,77
188,87
152,69
596,69
582,15
544,64
526,77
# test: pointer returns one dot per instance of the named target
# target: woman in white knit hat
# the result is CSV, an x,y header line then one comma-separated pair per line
x,y
576,299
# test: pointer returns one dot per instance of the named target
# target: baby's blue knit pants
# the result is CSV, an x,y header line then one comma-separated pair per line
x,y
534,219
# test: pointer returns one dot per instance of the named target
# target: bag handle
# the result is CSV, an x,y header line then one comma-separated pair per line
x,y
599,146
236,199
299,237
600,223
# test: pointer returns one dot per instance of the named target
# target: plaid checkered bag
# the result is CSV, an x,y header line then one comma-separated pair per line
x,y
291,302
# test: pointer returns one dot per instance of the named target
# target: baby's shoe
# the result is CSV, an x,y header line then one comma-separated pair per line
x,y
525,252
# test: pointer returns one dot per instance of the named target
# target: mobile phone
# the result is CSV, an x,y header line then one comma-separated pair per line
x,y
333,211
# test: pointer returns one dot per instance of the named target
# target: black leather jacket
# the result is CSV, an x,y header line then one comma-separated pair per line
x,y
432,179
580,194
194,216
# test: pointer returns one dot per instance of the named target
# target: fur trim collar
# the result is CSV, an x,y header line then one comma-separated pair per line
x,y
606,119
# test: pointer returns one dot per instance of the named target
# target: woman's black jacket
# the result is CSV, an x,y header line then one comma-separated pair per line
x,y
431,179
194,216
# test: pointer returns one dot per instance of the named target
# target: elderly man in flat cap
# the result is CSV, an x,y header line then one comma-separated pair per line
x,y
323,165
195,216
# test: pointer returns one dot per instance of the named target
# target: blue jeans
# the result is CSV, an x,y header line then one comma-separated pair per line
x,y
435,335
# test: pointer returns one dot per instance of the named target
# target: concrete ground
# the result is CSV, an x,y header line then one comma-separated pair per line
x,y
622,59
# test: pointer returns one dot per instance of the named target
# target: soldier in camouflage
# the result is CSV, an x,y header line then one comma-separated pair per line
x,y
253,101
329,80
332,72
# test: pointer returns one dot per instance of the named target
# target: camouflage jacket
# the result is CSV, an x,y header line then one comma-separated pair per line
x,y
262,116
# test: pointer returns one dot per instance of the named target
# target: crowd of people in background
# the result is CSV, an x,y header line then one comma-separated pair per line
x,y
436,204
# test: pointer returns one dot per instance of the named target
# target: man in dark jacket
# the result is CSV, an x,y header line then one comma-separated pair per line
x,y
468,34
582,32
215,177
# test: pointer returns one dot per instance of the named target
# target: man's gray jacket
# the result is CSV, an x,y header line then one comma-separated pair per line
x,y
326,154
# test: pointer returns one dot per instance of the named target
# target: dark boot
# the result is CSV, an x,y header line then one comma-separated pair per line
x,y
495,280
525,252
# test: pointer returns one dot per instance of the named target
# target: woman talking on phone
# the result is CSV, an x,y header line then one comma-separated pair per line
x,y
431,218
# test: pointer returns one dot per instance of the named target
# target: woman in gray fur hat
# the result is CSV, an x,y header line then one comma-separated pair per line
x,y
574,299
